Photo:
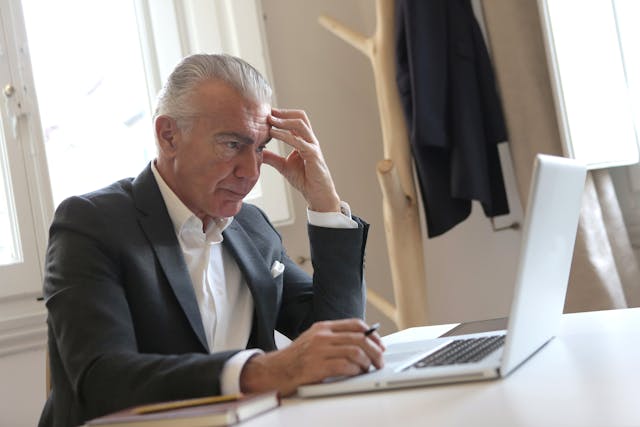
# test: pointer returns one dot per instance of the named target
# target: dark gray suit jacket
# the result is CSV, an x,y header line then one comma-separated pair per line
x,y
124,325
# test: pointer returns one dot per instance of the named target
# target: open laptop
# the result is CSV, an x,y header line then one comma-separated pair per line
x,y
548,238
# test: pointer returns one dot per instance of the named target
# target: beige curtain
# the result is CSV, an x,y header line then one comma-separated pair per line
x,y
604,273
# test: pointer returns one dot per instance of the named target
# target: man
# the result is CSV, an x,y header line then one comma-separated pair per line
x,y
167,286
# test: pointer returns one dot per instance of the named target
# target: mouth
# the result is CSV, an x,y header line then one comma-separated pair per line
x,y
235,194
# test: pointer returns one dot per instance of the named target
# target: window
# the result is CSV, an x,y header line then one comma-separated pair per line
x,y
20,263
97,67
9,234
91,88
594,67
627,16
595,60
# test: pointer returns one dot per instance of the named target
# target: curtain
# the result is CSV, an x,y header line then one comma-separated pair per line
x,y
604,272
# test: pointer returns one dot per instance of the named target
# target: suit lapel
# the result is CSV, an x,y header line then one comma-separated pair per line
x,y
156,223
258,276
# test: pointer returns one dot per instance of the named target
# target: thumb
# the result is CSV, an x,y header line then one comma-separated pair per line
x,y
274,160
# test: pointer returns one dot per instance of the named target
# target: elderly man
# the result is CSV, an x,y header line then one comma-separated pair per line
x,y
168,286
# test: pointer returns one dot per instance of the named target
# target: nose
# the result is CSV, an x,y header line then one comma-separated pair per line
x,y
248,165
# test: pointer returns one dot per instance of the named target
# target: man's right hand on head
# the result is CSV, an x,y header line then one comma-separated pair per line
x,y
305,167
327,349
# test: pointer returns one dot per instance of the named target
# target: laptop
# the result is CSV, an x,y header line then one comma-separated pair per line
x,y
548,237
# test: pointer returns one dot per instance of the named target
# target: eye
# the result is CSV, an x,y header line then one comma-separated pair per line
x,y
234,145
261,148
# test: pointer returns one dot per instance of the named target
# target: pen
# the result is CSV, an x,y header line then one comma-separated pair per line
x,y
372,329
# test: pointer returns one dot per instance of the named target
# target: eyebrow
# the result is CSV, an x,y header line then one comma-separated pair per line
x,y
242,138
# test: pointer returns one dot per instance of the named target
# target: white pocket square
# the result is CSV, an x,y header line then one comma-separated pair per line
x,y
277,268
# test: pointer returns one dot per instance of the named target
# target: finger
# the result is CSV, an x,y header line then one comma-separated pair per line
x,y
336,367
319,358
346,325
376,339
371,349
376,351
341,334
353,353
290,114
290,139
297,126
274,160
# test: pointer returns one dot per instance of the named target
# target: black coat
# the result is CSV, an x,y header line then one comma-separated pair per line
x,y
453,113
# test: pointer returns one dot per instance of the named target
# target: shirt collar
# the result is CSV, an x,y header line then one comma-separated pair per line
x,y
185,221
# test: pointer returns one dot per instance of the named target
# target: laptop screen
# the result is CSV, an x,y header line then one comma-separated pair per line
x,y
548,238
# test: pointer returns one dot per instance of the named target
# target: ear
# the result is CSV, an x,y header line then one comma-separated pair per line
x,y
166,134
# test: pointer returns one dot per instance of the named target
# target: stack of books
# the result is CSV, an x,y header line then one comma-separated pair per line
x,y
200,412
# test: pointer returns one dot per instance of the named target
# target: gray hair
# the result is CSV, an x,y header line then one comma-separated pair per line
x,y
174,99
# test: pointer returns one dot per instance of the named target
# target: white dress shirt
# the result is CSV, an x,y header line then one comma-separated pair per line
x,y
223,296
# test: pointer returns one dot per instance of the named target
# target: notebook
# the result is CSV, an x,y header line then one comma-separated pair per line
x,y
548,238
207,411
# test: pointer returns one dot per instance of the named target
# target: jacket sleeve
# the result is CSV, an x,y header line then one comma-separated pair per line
x,y
337,288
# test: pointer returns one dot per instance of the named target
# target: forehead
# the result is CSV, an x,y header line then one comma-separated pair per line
x,y
216,99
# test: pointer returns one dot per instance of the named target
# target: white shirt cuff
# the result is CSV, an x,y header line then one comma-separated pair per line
x,y
340,219
230,375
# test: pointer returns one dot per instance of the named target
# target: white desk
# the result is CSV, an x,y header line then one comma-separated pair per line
x,y
589,375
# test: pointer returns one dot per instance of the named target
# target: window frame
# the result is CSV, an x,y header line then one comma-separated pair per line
x,y
22,316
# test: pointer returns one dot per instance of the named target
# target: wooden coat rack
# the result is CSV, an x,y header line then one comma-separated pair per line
x,y
395,175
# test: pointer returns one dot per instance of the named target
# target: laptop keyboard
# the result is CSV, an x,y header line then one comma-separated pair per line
x,y
462,351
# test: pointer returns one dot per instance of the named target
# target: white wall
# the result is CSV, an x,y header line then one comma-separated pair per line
x,y
22,388
470,269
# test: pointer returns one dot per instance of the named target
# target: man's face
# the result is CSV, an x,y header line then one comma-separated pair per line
x,y
216,162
